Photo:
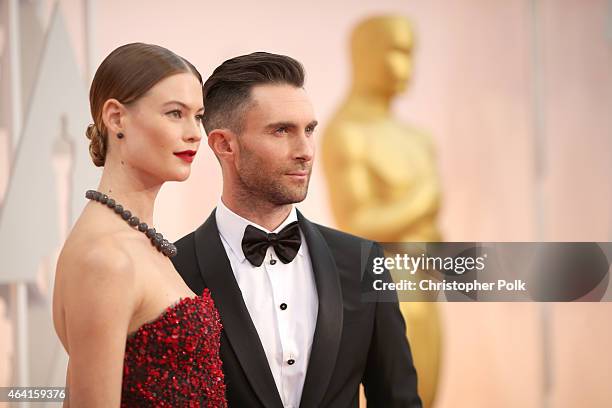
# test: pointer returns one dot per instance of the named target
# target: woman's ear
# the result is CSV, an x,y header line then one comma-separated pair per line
x,y
112,116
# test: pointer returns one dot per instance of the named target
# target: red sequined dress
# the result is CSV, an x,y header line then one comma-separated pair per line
x,y
173,361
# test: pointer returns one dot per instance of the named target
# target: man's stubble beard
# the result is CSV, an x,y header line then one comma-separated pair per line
x,y
260,185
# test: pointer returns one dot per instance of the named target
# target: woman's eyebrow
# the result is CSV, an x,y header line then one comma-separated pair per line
x,y
183,105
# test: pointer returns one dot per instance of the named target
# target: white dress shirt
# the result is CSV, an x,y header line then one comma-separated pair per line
x,y
282,301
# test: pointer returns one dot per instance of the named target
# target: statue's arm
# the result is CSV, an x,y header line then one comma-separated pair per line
x,y
353,190
394,217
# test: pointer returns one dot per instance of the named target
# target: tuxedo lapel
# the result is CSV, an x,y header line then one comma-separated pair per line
x,y
328,331
217,273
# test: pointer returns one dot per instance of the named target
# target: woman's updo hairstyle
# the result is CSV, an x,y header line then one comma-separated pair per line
x,y
126,74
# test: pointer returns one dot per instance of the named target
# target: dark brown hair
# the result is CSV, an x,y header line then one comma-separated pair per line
x,y
126,74
227,91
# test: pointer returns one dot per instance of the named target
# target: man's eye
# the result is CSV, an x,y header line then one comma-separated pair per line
x,y
175,114
310,129
281,129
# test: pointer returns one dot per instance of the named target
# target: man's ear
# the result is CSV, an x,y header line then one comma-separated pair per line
x,y
222,143
112,116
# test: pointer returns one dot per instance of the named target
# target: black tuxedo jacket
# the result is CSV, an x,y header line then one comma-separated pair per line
x,y
354,342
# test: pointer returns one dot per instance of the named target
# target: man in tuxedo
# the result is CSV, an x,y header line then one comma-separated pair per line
x,y
296,331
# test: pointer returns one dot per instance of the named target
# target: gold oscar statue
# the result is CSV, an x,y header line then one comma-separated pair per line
x,y
381,173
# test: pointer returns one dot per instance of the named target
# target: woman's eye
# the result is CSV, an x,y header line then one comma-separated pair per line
x,y
175,114
200,118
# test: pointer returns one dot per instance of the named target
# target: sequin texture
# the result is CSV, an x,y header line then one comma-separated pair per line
x,y
173,361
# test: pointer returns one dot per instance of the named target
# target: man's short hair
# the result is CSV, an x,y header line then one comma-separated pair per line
x,y
227,92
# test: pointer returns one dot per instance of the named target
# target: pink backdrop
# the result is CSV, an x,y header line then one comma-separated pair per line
x,y
474,90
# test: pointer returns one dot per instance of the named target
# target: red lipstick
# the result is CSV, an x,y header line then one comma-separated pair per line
x,y
186,155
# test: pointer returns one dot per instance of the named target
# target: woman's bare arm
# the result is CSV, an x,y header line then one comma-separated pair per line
x,y
99,301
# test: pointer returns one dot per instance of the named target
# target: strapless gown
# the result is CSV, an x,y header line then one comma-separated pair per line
x,y
173,361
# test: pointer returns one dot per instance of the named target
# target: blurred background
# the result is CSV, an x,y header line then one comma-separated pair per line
x,y
514,96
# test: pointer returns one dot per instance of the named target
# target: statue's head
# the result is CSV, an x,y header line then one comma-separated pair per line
x,y
381,50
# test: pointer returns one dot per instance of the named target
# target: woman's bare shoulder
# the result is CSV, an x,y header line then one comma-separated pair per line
x,y
103,253
94,265
98,243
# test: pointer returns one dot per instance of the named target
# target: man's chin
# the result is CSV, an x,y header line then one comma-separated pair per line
x,y
301,195
291,198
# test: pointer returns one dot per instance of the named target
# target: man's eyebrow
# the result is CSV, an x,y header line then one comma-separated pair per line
x,y
181,104
280,124
313,124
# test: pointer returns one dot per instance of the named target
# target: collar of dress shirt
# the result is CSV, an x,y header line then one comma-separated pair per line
x,y
231,227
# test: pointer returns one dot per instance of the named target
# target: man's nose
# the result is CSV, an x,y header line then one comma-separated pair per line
x,y
305,147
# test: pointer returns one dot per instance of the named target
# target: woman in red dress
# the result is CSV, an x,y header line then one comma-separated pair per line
x,y
135,333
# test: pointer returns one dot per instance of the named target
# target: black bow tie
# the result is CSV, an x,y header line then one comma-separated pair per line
x,y
286,243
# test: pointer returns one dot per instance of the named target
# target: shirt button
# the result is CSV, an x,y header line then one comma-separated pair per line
x,y
273,262
291,361
283,306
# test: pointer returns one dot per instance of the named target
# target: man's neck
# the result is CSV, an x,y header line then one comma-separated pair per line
x,y
266,214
